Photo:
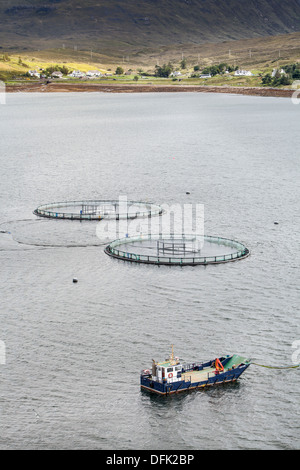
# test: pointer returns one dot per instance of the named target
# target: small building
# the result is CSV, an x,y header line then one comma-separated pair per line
x,y
77,74
57,74
93,74
175,74
34,73
205,75
243,73
280,71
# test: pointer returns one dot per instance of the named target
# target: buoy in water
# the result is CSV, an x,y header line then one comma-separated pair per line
x,y
75,279
275,223
187,192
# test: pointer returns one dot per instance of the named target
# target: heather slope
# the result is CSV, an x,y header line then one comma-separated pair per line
x,y
115,24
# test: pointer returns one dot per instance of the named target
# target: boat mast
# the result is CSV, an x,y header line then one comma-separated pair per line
x,y
172,360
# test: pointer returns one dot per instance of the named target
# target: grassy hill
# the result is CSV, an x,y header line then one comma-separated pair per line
x,y
101,34
114,27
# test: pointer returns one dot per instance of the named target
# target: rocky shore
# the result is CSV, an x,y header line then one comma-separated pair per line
x,y
42,87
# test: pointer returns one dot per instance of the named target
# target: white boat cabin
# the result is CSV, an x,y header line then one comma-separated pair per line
x,y
168,371
172,373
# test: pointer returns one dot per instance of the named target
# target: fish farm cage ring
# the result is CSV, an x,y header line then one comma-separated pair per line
x,y
177,250
98,210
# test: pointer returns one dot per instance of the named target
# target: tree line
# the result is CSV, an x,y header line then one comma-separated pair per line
x,y
291,73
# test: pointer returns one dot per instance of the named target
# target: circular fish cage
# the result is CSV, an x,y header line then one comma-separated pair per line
x,y
98,210
177,250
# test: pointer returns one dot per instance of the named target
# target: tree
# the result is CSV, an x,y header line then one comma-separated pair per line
x,y
293,70
64,70
278,80
296,74
223,67
267,79
183,64
119,71
135,78
285,80
164,71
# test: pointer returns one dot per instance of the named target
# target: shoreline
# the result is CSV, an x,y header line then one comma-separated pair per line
x,y
137,88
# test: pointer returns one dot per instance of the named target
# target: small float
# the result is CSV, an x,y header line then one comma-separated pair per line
x,y
170,376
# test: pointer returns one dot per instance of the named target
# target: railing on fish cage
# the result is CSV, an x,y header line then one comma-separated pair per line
x,y
98,210
113,250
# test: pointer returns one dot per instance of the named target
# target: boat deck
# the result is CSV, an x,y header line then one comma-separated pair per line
x,y
198,375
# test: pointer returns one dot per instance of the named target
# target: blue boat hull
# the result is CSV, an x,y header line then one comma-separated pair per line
x,y
182,385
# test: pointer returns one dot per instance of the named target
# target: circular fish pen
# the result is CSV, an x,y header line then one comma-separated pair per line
x,y
177,250
98,210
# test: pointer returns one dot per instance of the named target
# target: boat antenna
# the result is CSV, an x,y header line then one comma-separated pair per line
x,y
172,356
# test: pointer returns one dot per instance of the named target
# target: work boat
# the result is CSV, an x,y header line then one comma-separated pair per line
x,y
171,376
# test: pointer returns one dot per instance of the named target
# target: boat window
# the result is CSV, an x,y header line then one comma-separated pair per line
x,y
170,369
178,368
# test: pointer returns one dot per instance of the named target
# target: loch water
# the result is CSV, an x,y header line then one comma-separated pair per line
x,y
71,353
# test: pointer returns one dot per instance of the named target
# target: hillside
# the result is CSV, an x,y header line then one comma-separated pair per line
x,y
116,25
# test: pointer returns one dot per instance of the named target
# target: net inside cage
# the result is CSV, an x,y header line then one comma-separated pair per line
x,y
177,247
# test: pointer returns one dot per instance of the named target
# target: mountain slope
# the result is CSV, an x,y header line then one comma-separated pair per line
x,y
119,23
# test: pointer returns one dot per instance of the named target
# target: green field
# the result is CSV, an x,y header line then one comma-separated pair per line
x,y
260,56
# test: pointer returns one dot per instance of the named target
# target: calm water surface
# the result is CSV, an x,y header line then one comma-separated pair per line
x,y
74,351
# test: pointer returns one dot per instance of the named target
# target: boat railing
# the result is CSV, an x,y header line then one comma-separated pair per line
x,y
194,366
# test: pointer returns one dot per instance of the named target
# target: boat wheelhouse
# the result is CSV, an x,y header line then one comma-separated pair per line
x,y
171,376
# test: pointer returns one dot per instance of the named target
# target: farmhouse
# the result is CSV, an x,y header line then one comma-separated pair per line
x,y
34,73
175,74
280,71
77,74
93,73
57,74
243,73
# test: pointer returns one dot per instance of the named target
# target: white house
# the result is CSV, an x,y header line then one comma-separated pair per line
x,y
34,73
77,74
93,73
175,74
281,71
206,75
243,73
57,74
